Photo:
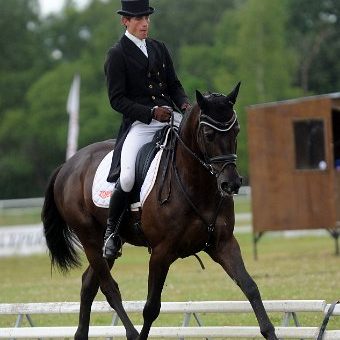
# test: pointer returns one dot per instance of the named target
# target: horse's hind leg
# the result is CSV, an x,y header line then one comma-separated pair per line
x,y
108,286
228,255
89,289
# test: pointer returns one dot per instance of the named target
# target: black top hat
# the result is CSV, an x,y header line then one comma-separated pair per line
x,y
135,8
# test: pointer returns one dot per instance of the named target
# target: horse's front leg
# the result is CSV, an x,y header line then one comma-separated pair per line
x,y
228,255
158,269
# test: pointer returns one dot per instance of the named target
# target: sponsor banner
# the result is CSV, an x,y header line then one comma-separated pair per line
x,y
22,240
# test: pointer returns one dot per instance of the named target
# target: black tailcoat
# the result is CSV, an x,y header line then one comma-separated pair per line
x,y
136,84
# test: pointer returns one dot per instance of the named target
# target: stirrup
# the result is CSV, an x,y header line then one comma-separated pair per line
x,y
116,250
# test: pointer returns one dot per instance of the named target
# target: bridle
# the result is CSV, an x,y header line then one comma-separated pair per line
x,y
205,120
221,127
208,162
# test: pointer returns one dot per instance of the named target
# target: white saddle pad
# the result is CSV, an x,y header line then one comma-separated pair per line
x,y
102,190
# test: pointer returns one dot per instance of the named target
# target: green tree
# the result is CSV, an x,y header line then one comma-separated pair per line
x,y
22,60
253,42
187,22
314,28
22,57
272,46
33,136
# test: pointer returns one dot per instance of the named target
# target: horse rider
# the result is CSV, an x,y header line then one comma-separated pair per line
x,y
142,86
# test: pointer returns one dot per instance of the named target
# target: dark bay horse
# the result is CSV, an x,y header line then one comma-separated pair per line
x,y
197,214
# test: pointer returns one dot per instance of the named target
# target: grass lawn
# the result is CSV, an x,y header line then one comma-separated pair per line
x,y
288,268
10,217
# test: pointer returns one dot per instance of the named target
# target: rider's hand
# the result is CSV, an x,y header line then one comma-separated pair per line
x,y
161,114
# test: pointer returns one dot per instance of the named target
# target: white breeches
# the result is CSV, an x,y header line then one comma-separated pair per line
x,y
138,135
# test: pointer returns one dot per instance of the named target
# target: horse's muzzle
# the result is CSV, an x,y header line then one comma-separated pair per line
x,y
229,188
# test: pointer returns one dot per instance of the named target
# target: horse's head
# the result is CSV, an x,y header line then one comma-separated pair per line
x,y
216,137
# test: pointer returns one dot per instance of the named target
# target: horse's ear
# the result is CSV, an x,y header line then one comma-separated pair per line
x,y
232,96
200,99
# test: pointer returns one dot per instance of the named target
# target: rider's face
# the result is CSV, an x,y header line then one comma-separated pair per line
x,y
137,26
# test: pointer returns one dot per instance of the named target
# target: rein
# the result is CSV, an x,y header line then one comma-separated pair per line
x,y
207,164
210,226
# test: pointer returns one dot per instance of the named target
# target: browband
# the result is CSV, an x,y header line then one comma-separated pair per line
x,y
226,126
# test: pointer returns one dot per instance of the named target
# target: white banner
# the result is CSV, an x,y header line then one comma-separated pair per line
x,y
22,240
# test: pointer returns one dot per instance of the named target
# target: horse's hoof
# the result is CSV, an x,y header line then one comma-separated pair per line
x,y
79,336
133,335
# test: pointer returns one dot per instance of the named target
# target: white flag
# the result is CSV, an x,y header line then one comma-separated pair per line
x,y
72,108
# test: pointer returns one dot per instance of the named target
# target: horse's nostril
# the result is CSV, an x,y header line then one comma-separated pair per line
x,y
230,188
236,189
225,187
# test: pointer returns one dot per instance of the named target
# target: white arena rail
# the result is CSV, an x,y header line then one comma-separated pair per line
x,y
169,332
288,307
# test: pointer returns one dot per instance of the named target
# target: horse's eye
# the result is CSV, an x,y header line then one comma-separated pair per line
x,y
209,134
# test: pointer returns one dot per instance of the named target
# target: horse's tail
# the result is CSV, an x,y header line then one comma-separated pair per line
x,y
59,238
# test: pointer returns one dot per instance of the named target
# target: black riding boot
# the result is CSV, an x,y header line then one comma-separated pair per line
x,y
112,240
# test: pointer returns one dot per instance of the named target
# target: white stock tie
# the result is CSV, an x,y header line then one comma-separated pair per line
x,y
143,48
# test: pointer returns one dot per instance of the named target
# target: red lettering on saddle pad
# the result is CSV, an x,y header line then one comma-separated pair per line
x,y
105,194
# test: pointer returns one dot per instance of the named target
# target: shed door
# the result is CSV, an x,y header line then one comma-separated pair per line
x,y
312,165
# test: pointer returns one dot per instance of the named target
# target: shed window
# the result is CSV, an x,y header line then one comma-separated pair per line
x,y
336,137
309,144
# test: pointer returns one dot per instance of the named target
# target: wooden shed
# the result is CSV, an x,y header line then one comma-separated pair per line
x,y
294,161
